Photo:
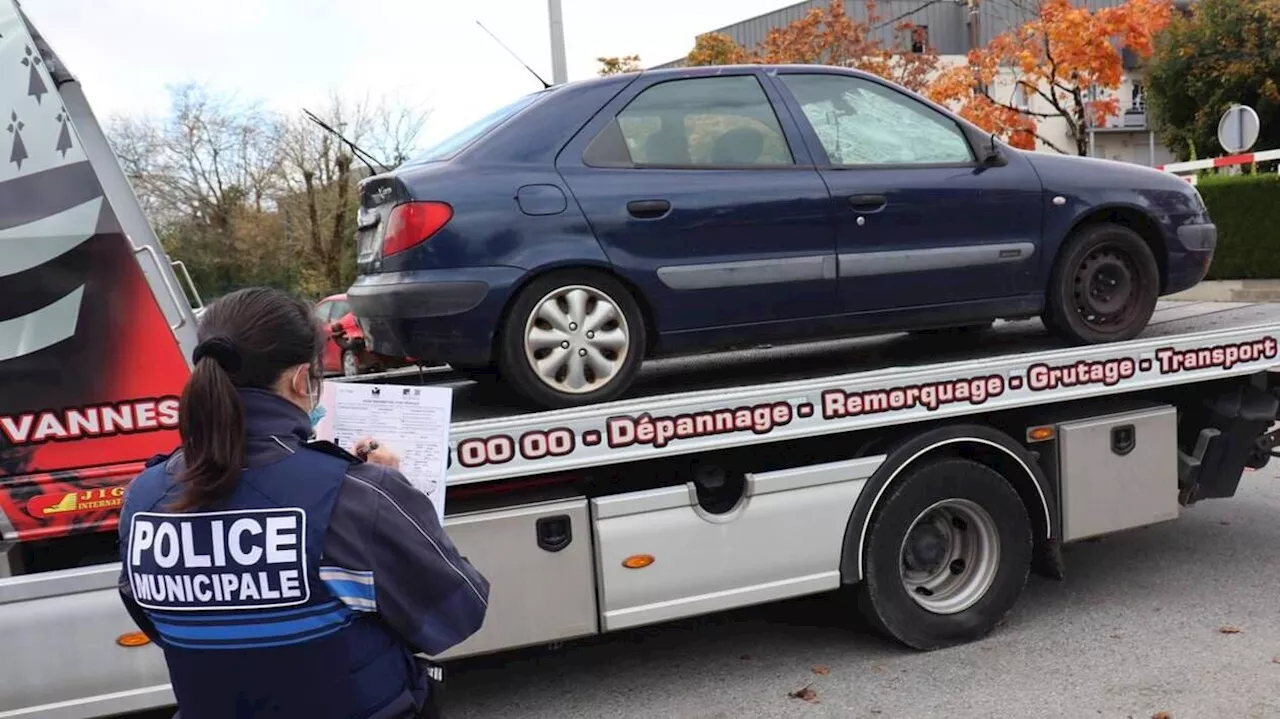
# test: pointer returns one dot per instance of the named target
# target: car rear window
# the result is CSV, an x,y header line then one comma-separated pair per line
x,y
460,140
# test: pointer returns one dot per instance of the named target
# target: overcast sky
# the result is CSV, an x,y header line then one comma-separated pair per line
x,y
291,53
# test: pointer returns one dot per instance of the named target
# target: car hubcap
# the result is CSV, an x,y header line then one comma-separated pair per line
x,y
950,556
1106,289
576,339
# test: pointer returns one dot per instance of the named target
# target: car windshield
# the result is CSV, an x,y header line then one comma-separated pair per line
x,y
459,140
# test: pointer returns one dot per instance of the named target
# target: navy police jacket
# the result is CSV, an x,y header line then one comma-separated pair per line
x,y
307,592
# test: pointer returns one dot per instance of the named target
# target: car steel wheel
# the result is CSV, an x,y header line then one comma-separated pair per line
x,y
1106,287
950,556
576,339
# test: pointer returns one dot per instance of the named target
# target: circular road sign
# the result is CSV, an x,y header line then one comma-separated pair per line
x,y
1238,128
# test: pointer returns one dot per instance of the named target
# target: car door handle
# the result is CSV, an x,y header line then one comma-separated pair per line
x,y
868,203
648,209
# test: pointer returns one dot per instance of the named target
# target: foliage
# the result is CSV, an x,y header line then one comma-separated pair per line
x,y
245,196
716,48
618,65
1223,53
830,36
1062,53
1246,209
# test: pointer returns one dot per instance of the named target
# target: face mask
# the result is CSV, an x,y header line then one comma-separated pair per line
x,y
317,412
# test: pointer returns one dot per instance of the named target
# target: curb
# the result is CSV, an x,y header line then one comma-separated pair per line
x,y
1230,291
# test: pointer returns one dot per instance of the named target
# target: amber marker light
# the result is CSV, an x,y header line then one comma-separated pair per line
x,y
638,561
133,639
1039,434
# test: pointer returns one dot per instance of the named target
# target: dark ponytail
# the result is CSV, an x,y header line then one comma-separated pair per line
x,y
247,339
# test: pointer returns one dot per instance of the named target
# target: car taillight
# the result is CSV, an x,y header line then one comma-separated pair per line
x,y
413,223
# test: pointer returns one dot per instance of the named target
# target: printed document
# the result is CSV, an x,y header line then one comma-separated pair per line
x,y
411,421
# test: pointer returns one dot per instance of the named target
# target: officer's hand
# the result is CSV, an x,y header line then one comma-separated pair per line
x,y
370,450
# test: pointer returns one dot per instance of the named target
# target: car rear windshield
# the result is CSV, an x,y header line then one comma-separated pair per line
x,y
458,141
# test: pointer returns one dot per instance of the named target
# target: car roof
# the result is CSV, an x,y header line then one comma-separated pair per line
x,y
340,297
703,70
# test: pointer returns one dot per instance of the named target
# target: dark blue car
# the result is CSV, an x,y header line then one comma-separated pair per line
x,y
571,234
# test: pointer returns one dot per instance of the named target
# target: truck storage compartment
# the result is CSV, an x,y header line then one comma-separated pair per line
x,y
1118,471
663,556
537,559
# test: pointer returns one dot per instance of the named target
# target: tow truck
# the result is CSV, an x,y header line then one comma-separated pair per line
x,y
922,476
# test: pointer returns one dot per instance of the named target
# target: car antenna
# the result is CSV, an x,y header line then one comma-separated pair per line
x,y
545,85
360,154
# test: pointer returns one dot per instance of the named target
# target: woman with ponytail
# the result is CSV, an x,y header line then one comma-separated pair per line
x,y
284,577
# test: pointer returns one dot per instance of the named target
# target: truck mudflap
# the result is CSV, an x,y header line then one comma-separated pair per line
x,y
90,365
1223,435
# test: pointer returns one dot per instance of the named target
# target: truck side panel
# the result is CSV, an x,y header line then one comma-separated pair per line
x,y
782,539
86,352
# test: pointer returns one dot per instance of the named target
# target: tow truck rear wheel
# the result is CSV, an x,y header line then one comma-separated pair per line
x,y
947,554
1104,287
571,338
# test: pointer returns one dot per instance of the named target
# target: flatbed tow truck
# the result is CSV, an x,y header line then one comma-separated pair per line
x,y
925,476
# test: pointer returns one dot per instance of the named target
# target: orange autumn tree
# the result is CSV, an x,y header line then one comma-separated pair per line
x,y
618,65
829,36
1067,61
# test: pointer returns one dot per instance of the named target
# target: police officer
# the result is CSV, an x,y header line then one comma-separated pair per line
x,y
283,577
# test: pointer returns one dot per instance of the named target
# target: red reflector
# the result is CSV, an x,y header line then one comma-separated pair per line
x,y
413,223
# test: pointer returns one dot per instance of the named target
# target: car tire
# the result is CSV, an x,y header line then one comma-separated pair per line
x,y
1104,286
350,364
947,554
573,355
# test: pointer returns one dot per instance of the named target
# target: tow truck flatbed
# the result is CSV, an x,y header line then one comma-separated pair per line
x,y
686,397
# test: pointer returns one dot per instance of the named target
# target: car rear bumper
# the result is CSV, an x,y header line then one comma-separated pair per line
x,y
434,315
1190,256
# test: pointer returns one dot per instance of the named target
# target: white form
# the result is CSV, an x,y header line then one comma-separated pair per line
x,y
413,422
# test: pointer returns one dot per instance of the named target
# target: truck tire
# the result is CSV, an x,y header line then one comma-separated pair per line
x,y
946,556
1104,286
571,338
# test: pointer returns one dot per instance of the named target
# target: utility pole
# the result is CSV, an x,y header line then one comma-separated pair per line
x,y
975,35
559,69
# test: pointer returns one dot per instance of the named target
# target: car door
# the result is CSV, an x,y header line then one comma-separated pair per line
x,y
705,198
331,359
920,220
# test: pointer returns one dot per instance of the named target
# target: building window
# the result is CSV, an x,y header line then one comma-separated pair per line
x,y
920,38
1020,96
1138,98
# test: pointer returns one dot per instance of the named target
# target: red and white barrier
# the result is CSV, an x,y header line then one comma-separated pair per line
x,y
1228,161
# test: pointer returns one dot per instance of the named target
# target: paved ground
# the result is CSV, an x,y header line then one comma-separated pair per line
x,y
1135,629
1232,291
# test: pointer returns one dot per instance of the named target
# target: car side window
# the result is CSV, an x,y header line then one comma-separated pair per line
x,y
696,123
322,311
340,310
861,122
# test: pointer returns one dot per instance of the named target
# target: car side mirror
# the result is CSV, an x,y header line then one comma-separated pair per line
x,y
335,328
992,155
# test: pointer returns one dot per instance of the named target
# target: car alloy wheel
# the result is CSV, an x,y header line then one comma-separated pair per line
x,y
577,339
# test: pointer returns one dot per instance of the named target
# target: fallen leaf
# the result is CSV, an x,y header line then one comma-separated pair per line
x,y
745,657
1275,660
1162,715
1224,523
821,670
1116,636
1228,629
805,693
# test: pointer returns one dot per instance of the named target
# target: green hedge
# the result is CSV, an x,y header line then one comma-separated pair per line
x,y
1246,209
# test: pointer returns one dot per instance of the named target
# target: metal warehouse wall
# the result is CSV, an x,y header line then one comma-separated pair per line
x,y
946,20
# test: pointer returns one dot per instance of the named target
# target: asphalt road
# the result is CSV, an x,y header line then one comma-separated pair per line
x,y
1135,629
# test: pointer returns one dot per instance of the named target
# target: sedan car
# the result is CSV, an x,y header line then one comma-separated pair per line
x,y
344,347
571,234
